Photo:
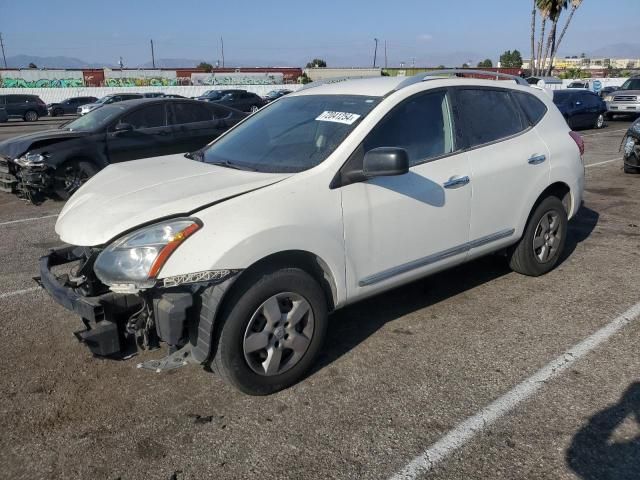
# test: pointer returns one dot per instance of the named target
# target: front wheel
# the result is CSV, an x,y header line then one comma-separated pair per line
x,y
254,108
31,116
272,332
70,176
599,121
542,243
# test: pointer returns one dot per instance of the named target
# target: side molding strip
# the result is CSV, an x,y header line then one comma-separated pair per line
x,y
434,258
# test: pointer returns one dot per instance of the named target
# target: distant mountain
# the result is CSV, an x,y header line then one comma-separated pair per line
x,y
23,61
618,50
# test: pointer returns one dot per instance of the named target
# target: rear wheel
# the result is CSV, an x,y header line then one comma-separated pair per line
x,y
70,176
542,243
254,108
272,332
31,116
599,121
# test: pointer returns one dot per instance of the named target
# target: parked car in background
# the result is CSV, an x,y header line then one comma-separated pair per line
x,y
153,95
631,148
69,106
580,108
327,196
214,95
172,95
27,107
275,94
243,101
59,161
3,115
607,91
626,99
107,100
579,84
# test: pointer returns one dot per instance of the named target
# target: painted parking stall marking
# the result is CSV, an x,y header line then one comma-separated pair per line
x,y
32,219
19,292
477,423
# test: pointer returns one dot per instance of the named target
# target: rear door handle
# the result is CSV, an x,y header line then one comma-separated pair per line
x,y
537,159
456,182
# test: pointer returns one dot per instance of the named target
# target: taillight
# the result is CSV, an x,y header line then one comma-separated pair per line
x,y
579,141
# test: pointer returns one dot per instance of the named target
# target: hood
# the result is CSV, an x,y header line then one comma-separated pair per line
x,y
625,92
126,195
16,146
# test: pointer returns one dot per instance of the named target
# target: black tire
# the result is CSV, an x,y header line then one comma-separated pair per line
x,y
528,260
57,112
30,116
70,176
608,116
599,121
244,305
630,169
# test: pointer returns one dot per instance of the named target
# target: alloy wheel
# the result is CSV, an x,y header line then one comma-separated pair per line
x,y
278,334
31,116
547,237
600,121
71,178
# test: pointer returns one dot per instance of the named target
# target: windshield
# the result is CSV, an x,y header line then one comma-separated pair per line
x,y
212,94
631,84
95,119
292,134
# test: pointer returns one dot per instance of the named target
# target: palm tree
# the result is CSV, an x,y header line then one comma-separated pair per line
x,y
544,7
575,4
555,10
532,62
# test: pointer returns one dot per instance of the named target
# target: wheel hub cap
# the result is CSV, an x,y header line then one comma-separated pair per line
x,y
278,334
547,237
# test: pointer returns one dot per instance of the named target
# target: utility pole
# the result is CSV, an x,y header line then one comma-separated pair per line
x,y
2,46
385,54
153,57
375,52
222,49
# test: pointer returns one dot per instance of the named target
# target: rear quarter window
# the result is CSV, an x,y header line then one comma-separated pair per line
x,y
485,116
533,108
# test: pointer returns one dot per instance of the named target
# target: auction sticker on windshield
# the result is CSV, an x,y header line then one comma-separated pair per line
x,y
338,117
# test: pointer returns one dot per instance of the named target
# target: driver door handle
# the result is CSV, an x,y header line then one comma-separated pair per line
x,y
537,159
456,182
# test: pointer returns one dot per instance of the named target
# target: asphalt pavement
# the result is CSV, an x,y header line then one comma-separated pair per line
x,y
399,373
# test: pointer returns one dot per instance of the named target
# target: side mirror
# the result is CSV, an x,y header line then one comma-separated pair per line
x,y
385,162
121,128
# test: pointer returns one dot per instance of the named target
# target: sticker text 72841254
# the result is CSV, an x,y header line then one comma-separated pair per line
x,y
338,117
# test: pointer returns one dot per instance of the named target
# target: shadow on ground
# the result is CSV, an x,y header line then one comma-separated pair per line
x,y
354,324
595,455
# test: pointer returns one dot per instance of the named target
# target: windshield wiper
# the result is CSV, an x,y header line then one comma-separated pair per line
x,y
235,166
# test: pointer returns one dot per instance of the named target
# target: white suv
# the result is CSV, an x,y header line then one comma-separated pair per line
x,y
236,256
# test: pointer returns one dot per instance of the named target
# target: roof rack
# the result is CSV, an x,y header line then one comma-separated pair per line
x,y
429,75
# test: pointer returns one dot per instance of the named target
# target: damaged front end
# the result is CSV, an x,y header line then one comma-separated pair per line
x,y
27,179
119,323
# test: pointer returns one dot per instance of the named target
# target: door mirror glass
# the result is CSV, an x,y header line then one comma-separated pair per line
x,y
385,162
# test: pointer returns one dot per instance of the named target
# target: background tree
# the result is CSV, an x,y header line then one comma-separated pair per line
x,y
465,65
511,59
441,67
555,10
207,67
33,65
532,62
543,9
317,63
575,4
486,63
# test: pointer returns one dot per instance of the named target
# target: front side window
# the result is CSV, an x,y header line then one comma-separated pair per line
x,y
485,116
151,116
291,135
190,113
421,125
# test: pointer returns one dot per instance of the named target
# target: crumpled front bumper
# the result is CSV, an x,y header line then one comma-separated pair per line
x,y
102,315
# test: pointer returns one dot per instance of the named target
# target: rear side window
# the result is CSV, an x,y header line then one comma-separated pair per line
x,y
533,108
190,113
151,116
485,116
421,125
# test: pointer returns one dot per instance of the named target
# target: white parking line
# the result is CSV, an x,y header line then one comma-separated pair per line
x,y
27,219
604,133
18,292
618,159
474,425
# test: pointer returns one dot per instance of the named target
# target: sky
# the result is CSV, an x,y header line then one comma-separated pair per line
x,y
426,32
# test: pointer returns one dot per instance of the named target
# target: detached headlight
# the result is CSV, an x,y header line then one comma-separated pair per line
x,y
137,258
31,159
